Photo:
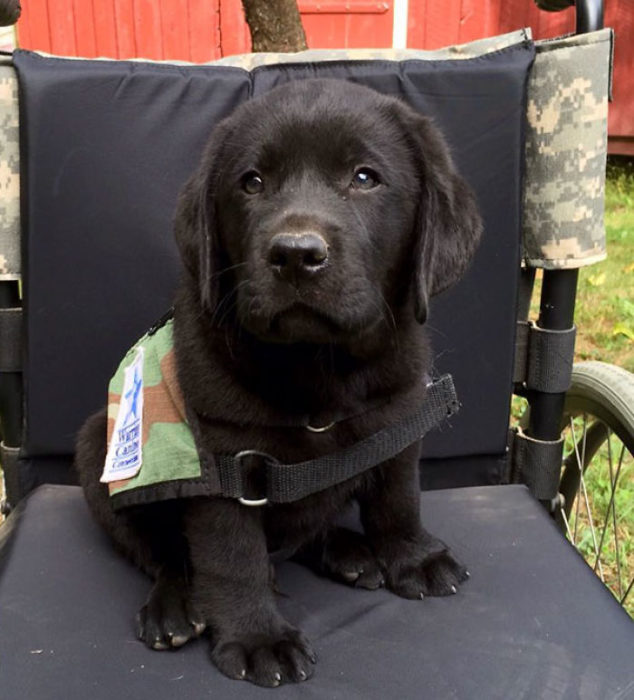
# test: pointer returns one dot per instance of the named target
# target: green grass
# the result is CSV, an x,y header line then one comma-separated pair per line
x,y
605,302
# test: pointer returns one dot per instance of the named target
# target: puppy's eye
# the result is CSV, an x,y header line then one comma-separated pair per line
x,y
365,179
252,183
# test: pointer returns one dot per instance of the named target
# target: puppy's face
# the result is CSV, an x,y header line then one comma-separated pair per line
x,y
321,207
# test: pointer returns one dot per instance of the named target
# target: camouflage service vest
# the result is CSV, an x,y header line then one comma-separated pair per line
x,y
151,454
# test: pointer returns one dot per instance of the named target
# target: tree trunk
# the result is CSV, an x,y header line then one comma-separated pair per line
x,y
275,25
9,12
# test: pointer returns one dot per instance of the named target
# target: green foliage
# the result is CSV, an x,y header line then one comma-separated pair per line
x,y
605,301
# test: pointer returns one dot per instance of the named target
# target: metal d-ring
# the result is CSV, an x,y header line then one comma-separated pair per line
x,y
253,453
322,429
259,502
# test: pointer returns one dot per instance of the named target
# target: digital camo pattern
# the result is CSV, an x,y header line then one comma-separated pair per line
x,y
167,443
565,151
566,148
9,175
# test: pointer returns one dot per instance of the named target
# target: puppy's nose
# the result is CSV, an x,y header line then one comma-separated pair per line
x,y
295,254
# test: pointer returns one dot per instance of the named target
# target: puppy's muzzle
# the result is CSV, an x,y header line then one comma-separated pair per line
x,y
297,256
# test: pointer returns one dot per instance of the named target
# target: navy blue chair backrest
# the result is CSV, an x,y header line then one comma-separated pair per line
x,y
105,148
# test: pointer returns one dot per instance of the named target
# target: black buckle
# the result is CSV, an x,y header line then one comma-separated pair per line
x,y
239,460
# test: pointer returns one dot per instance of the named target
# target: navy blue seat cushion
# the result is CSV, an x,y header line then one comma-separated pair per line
x,y
532,622
105,147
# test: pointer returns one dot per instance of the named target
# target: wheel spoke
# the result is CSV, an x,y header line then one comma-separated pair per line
x,y
591,523
580,468
564,517
585,496
613,506
609,509
583,445
627,592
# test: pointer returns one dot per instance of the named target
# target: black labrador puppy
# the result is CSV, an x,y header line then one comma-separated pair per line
x,y
322,218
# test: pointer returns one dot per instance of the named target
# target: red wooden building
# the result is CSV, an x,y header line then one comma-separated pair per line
x,y
203,30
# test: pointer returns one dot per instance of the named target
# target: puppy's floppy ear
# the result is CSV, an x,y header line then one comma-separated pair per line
x,y
448,223
195,224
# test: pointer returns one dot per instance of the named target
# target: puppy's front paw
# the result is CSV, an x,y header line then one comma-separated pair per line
x,y
423,573
347,557
167,619
270,658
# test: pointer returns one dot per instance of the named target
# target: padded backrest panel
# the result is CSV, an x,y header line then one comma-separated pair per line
x,y
105,147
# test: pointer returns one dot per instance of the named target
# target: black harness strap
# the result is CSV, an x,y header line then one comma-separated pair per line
x,y
285,483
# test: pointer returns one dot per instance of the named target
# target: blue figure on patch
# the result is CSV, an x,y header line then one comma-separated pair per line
x,y
132,396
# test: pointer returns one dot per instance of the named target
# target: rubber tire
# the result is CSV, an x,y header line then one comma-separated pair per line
x,y
606,392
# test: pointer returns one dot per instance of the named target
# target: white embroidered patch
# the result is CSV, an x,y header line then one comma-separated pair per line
x,y
124,457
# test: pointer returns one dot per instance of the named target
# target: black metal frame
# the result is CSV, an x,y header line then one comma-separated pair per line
x,y
559,289
590,15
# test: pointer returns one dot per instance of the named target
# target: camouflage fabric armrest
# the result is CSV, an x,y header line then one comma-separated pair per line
x,y
566,148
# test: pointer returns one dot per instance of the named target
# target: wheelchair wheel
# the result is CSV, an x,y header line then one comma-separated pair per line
x,y
596,507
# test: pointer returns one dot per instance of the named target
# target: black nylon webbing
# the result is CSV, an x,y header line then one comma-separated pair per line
x,y
290,482
544,357
537,463
550,358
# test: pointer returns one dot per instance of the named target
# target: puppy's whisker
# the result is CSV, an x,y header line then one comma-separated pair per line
x,y
226,299
227,269
434,329
362,224
228,343
230,307
228,311
390,313
391,321
388,317
250,307
220,305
